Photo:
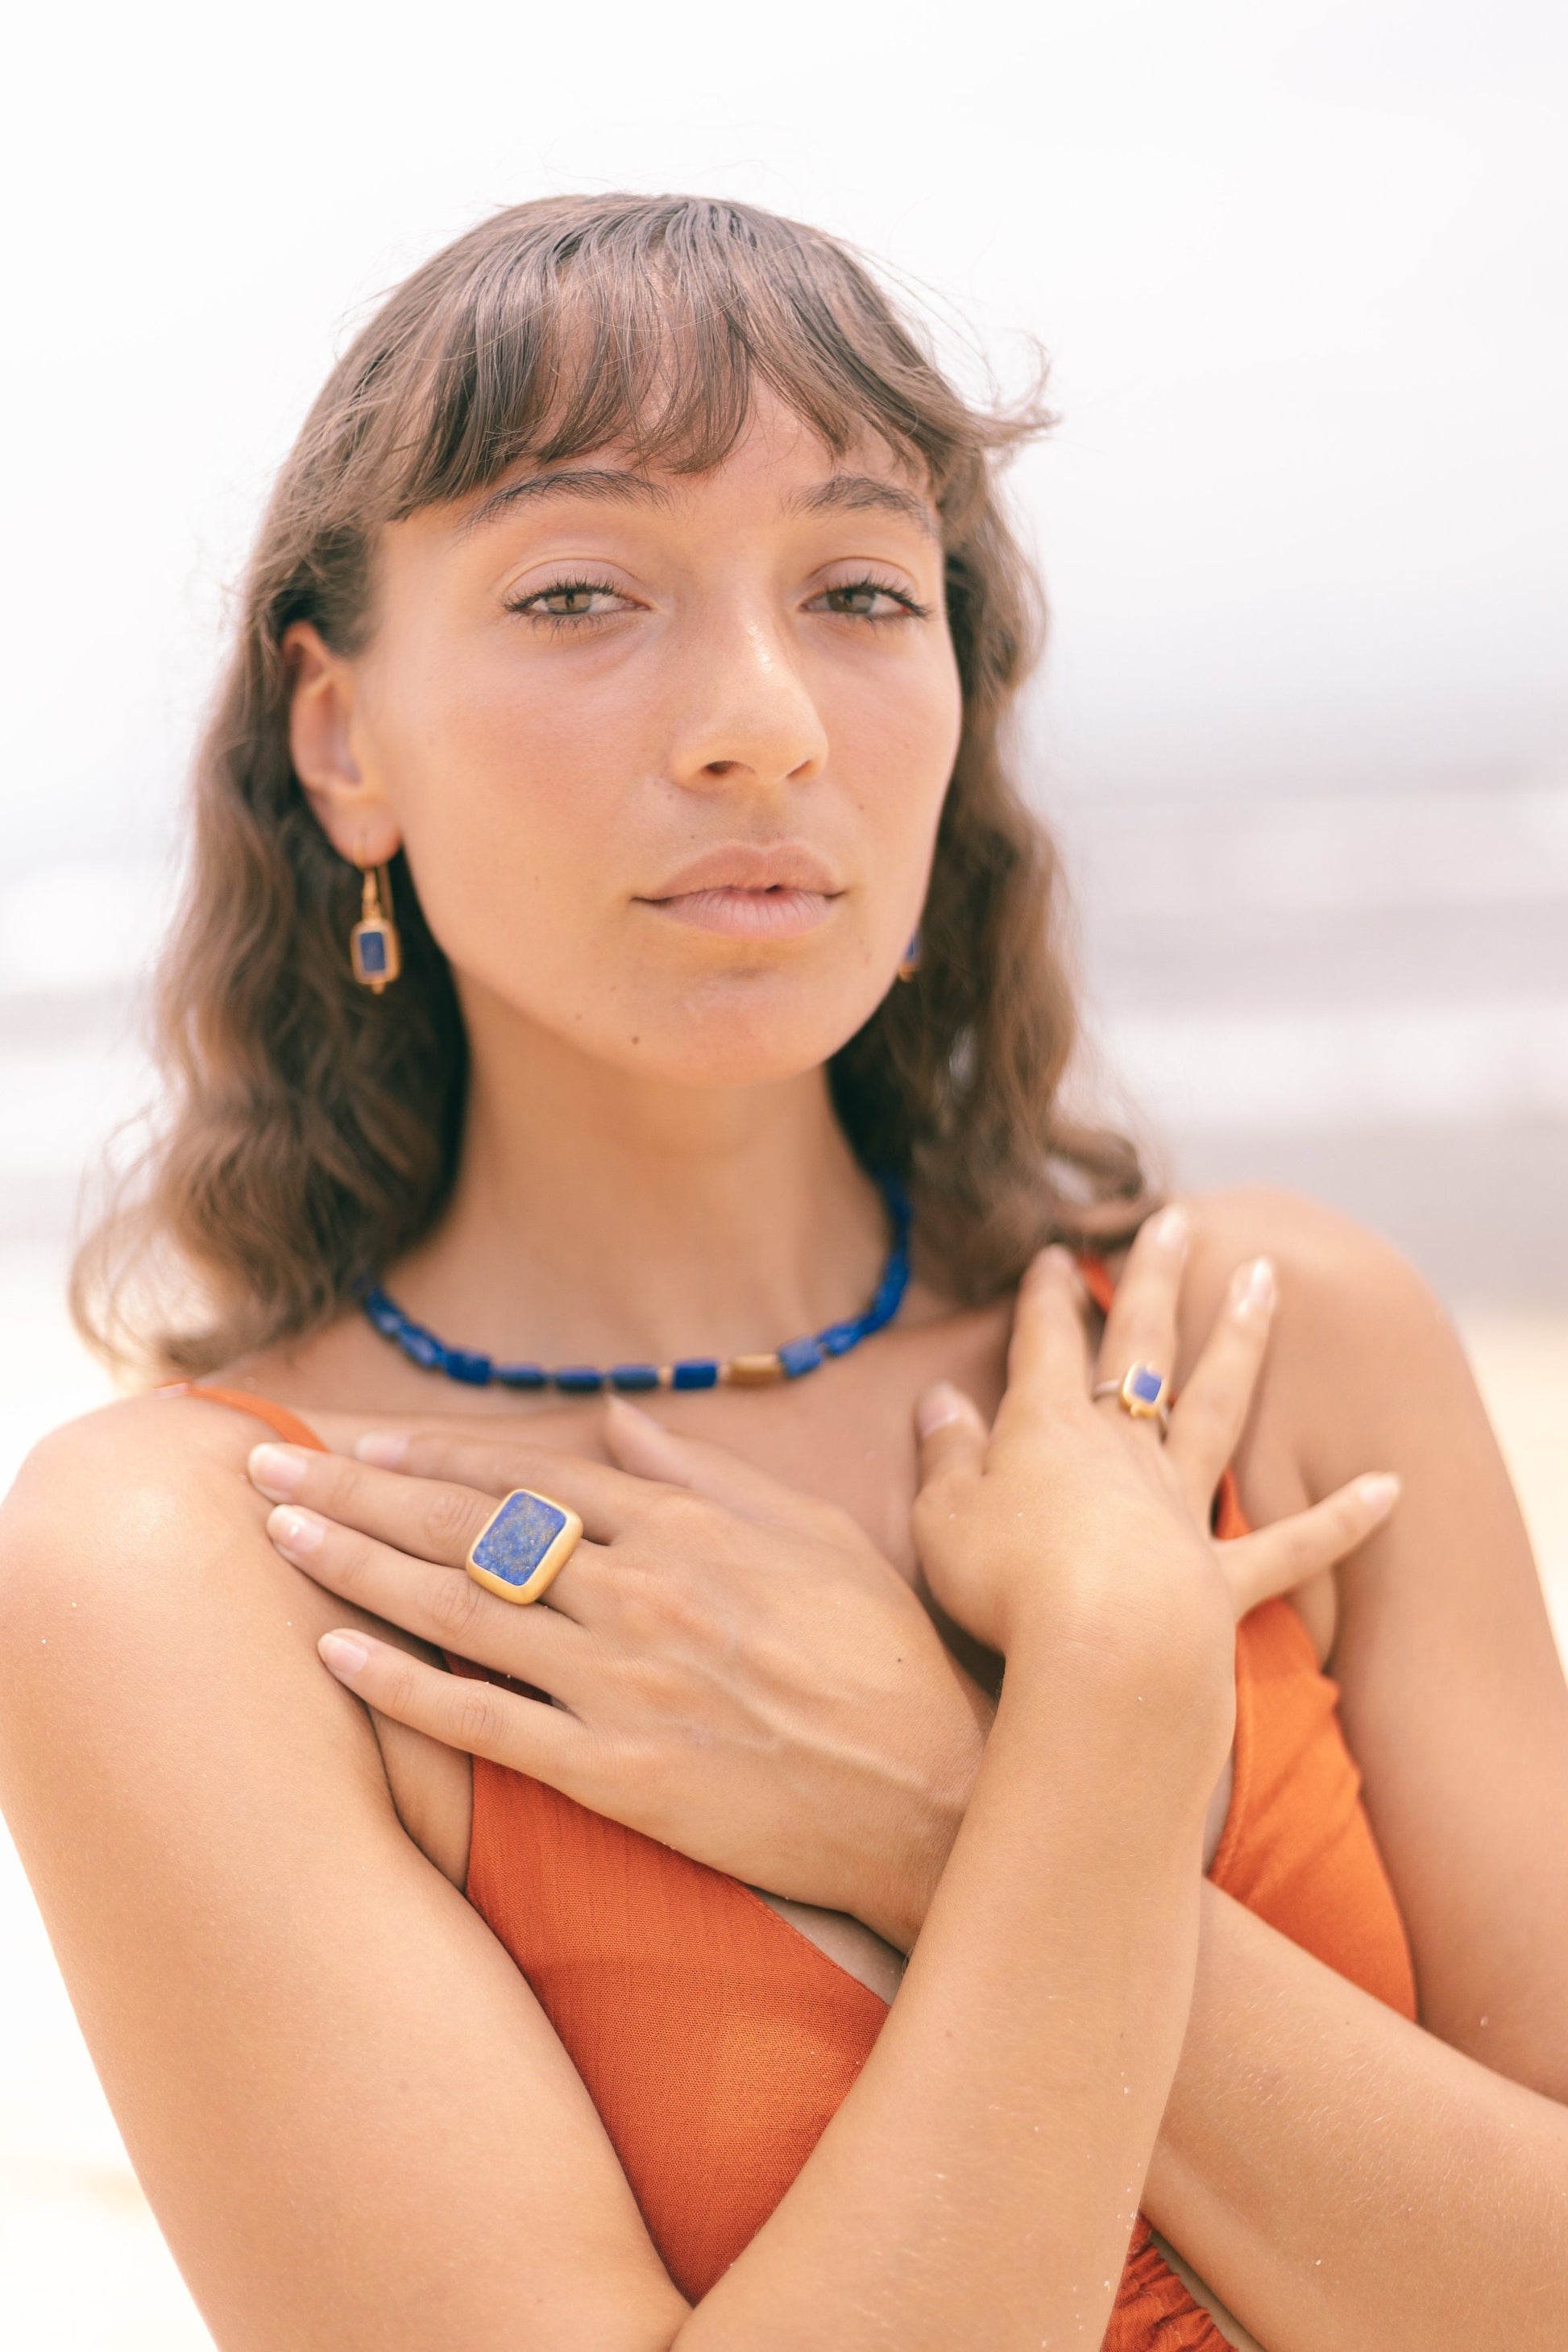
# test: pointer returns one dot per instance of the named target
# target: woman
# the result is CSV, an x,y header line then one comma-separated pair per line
x,y
610,909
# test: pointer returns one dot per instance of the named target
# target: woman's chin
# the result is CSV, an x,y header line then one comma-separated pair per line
x,y
751,1027
727,1044
720,1063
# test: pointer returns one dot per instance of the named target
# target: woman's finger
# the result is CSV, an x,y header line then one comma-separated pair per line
x,y
1047,1355
952,1435
442,1606
479,1462
434,1521
462,1710
1278,1559
1141,1324
1210,1414
438,1519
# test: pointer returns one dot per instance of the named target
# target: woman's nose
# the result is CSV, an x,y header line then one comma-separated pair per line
x,y
749,713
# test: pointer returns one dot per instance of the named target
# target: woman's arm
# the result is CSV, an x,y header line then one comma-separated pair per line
x,y
349,2115
1004,2105
1341,2176
348,2110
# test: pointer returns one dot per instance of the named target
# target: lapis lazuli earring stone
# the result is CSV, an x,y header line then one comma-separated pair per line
x,y
522,1545
373,950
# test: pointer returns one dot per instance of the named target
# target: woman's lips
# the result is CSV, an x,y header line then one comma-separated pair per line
x,y
774,913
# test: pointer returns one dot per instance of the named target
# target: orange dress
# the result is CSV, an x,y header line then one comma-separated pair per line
x,y
715,2041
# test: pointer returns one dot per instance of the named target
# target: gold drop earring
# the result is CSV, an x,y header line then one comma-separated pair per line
x,y
910,963
375,948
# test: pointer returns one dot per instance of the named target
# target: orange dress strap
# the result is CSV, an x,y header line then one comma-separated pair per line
x,y
279,1419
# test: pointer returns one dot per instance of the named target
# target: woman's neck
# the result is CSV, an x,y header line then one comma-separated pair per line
x,y
599,1217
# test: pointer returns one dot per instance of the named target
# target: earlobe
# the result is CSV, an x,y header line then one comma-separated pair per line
x,y
350,807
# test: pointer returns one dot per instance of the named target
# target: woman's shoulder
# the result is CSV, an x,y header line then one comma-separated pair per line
x,y
1359,1339
128,1463
1340,1285
135,1455
136,1526
1335,1262
136,1576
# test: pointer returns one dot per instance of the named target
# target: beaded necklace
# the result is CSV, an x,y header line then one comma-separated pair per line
x,y
790,1362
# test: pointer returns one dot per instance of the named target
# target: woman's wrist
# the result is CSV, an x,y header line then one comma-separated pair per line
x,y
1145,1712
1168,1689
933,1824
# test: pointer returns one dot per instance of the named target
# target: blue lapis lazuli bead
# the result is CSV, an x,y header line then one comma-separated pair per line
x,y
578,1379
630,1378
466,1364
798,1355
423,1346
518,1536
522,1376
1145,1385
839,1337
696,1372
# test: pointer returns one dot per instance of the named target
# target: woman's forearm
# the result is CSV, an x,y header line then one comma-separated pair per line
x,y
1342,2179
979,2184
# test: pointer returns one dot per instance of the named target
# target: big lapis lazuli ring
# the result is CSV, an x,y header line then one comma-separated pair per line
x,y
1142,1392
524,1546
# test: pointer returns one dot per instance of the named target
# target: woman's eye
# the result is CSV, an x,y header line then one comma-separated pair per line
x,y
571,600
864,600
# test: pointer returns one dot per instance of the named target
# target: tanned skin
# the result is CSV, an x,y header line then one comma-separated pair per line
x,y
352,2120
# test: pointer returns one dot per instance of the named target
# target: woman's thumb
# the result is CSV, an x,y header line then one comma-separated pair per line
x,y
952,1436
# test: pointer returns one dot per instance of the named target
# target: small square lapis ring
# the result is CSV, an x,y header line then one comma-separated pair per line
x,y
1142,1392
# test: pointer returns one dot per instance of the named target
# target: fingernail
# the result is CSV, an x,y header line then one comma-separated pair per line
x,y
1172,1229
937,1408
624,1405
297,1534
382,1447
343,1655
278,1470
1058,1259
1253,1288
1380,1490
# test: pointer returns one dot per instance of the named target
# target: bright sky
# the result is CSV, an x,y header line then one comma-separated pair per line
x,y
1302,267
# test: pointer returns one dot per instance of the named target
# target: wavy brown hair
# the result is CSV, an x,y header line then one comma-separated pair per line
x,y
313,1129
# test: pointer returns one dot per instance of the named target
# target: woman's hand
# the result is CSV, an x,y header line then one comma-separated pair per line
x,y
1206,1425
737,1672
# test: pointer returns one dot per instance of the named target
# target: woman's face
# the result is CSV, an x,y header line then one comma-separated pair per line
x,y
667,752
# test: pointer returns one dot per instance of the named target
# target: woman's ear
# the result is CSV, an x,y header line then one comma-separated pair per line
x,y
350,808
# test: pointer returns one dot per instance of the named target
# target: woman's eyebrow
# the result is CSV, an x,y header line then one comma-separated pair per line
x,y
603,482
860,493
840,494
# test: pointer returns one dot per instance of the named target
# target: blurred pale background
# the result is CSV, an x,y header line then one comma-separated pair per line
x,y
1304,726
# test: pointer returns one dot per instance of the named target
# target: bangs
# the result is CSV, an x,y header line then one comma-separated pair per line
x,y
648,324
